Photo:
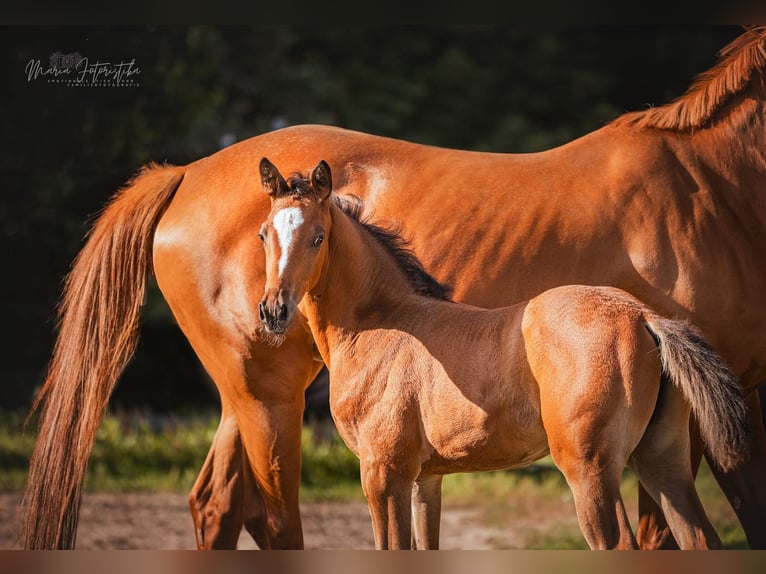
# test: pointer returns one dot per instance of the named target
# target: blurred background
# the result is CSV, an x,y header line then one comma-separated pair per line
x,y
68,147
187,91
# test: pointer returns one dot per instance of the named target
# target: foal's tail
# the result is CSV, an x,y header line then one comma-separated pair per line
x,y
98,318
713,391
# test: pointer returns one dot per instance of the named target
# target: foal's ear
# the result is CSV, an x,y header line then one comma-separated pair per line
x,y
273,182
321,180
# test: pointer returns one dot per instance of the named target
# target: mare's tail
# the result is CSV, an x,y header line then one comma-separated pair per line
x,y
98,318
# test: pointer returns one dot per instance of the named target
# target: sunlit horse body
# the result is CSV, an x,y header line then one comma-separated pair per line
x,y
667,204
422,387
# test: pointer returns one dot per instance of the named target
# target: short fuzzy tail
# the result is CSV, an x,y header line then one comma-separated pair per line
x,y
711,388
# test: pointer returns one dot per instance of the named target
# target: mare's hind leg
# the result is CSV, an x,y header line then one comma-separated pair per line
x,y
255,515
264,389
662,462
216,499
226,494
426,512
744,485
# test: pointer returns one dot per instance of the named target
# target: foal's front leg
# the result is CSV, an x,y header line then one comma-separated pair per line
x,y
388,494
426,512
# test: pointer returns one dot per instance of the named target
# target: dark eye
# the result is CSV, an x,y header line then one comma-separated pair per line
x,y
318,240
260,236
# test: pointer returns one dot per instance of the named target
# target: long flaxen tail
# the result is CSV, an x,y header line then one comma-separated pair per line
x,y
98,333
711,388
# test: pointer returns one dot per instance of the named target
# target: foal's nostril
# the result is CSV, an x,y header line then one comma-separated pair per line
x,y
282,312
262,311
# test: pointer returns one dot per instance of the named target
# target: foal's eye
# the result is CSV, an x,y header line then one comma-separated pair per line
x,y
318,240
261,237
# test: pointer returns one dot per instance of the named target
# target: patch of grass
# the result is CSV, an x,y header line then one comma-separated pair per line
x,y
565,536
538,499
15,448
329,470
134,453
719,510
542,476
141,452
145,453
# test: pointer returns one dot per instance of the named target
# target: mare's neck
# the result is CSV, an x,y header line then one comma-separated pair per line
x,y
360,287
738,137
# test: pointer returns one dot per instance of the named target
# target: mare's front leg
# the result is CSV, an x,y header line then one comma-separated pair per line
x,y
426,512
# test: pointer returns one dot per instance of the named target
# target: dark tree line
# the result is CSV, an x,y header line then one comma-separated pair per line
x,y
67,148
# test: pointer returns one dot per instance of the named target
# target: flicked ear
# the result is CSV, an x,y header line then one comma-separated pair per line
x,y
273,182
321,180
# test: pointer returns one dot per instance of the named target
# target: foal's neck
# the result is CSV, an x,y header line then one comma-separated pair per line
x,y
361,287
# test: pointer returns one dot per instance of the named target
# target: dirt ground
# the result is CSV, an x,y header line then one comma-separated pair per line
x,y
161,521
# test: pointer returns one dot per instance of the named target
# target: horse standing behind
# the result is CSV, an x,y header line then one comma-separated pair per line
x,y
667,204
421,387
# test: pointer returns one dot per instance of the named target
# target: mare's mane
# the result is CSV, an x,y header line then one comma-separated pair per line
x,y
390,238
740,62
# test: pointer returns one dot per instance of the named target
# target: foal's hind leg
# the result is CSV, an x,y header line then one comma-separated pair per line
x,y
591,430
662,462
653,532
595,485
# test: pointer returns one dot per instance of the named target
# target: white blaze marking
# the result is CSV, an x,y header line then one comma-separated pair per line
x,y
286,221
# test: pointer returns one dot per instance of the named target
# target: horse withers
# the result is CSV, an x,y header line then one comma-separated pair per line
x,y
422,386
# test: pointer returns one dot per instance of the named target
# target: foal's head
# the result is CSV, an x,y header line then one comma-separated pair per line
x,y
293,239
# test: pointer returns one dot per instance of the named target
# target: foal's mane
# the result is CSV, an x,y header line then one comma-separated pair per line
x,y
390,238
739,62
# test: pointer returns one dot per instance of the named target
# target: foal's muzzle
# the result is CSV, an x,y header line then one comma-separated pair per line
x,y
276,312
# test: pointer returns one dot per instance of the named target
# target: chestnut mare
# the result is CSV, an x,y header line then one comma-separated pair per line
x,y
667,204
421,387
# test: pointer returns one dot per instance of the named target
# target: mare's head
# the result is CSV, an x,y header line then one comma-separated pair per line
x,y
293,240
